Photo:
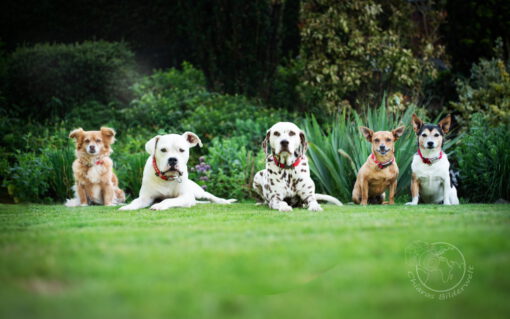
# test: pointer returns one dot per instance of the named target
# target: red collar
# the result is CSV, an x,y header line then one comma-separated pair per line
x,y
430,161
100,162
281,165
382,165
161,175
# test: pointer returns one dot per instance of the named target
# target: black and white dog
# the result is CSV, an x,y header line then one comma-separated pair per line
x,y
431,181
286,181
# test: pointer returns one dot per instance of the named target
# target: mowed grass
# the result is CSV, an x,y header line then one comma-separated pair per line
x,y
244,261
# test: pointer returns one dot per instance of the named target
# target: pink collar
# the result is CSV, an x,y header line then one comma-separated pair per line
x,y
281,165
382,165
432,160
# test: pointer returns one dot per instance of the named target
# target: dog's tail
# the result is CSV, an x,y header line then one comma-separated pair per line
x,y
328,198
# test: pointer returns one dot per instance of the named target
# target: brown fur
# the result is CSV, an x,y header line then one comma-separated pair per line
x,y
372,181
89,175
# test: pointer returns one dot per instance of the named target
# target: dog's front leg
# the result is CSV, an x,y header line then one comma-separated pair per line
x,y
415,190
446,190
308,197
140,202
82,194
186,200
277,203
393,188
364,192
108,193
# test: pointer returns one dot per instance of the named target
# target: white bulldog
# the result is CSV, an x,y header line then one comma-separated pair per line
x,y
166,175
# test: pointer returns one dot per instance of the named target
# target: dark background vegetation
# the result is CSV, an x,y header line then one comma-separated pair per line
x,y
229,69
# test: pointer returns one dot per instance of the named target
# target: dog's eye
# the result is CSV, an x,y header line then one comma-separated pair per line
x,y
388,140
276,133
181,150
87,141
424,135
292,133
377,140
98,141
163,150
436,135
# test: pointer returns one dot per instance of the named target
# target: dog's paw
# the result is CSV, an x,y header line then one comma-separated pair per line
x,y
159,206
226,201
83,205
284,207
315,207
127,207
411,204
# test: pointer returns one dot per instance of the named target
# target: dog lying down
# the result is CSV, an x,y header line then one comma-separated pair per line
x,y
286,182
165,175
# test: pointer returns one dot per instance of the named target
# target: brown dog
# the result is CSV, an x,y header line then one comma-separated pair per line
x,y
93,169
380,171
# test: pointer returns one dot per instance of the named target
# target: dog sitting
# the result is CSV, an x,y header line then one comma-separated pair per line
x,y
93,169
286,182
431,181
165,175
380,171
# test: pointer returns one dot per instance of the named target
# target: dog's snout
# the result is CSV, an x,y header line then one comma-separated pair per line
x,y
382,147
284,143
430,143
172,161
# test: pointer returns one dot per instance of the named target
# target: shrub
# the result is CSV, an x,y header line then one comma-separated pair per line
x,y
177,101
228,168
487,90
336,154
129,170
50,79
484,161
357,50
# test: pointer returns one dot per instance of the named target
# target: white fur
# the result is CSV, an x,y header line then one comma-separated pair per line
x,y
434,180
272,183
173,193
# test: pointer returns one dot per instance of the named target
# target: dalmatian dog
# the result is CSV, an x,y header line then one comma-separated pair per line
x,y
165,175
286,182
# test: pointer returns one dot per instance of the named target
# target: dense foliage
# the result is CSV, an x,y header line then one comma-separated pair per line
x,y
354,51
47,81
484,161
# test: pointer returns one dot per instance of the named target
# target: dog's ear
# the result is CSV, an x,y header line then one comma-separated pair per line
x,y
445,123
367,133
398,132
76,134
108,135
266,141
192,138
304,142
417,123
151,144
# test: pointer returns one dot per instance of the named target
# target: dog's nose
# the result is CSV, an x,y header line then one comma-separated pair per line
x,y
284,143
430,143
382,147
172,161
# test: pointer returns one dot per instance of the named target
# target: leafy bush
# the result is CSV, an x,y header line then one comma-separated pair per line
x,y
487,90
228,168
338,153
356,50
48,80
129,170
177,101
484,161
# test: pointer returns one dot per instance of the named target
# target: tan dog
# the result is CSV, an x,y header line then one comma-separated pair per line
x,y
93,169
380,171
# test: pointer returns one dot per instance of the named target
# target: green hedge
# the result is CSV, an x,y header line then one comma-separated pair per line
x,y
48,80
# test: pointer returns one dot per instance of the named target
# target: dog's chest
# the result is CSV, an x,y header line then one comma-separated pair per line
x,y
285,181
94,173
430,177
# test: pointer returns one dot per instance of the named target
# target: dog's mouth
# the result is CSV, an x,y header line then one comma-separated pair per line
x,y
172,172
383,152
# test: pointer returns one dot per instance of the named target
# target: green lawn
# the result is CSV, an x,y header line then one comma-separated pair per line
x,y
243,261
